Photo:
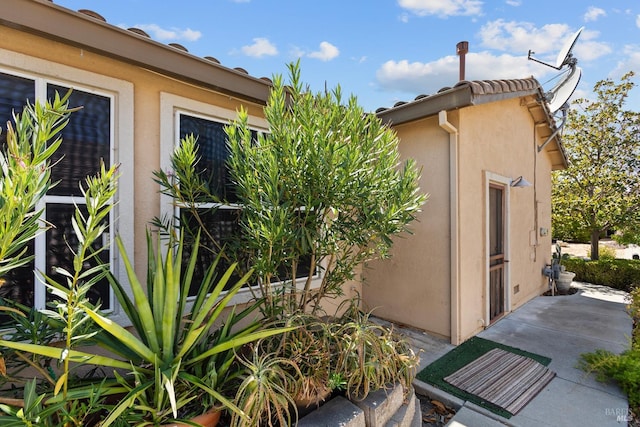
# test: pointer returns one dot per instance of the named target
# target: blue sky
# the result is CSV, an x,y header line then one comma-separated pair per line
x,y
384,51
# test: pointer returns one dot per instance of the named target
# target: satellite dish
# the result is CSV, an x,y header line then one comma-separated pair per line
x,y
562,91
565,56
557,98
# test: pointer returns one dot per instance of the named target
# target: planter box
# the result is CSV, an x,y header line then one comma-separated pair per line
x,y
380,409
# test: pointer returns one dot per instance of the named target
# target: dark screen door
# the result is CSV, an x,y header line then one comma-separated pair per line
x,y
496,255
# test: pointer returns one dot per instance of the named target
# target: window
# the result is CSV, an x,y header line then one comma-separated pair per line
x,y
206,122
14,92
221,216
86,141
89,137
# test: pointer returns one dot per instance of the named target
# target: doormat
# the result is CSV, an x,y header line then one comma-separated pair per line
x,y
505,379
463,355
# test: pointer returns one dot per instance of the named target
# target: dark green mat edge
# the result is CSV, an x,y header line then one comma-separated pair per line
x,y
460,356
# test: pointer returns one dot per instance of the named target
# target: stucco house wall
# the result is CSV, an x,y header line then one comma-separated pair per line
x,y
148,83
412,286
498,138
145,110
466,139
436,278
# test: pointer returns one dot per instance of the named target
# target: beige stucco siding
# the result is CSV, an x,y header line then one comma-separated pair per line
x,y
412,287
497,142
147,87
150,107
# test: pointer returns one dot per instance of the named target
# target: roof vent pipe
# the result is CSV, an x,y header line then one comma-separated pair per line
x,y
462,49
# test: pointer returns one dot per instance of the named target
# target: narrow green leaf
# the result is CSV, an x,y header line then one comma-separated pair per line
x,y
74,355
60,383
141,302
123,335
170,324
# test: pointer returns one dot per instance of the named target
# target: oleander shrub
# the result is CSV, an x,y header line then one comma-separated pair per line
x,y
623,274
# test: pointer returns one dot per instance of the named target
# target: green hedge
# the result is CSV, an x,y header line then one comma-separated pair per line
x,y
621,274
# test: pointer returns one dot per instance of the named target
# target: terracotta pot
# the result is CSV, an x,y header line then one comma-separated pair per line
x,y
208,419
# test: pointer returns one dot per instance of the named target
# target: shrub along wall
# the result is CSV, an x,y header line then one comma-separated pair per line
x,y
623,274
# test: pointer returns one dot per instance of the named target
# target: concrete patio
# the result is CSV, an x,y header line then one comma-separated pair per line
x,y
562,328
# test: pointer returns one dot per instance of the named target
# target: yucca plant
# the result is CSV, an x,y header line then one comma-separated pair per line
x,y
163,353
165,346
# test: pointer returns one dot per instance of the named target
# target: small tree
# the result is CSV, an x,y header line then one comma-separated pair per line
x,y
600,190
322,191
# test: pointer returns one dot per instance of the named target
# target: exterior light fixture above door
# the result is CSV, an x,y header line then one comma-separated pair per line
x,y
520,182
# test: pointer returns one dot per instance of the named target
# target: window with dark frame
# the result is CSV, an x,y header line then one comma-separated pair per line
x,y
86,142
221,218
19,284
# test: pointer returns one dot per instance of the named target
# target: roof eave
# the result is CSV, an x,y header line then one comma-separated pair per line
x,y
43,18
450,99
466,94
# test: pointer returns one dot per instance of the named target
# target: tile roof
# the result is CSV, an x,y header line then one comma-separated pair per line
x,y
469,93
90,31
480,91
143,33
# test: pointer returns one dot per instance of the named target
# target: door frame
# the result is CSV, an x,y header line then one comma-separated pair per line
x,y
493,179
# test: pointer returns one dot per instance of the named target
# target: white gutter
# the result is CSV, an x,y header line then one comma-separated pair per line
x,y
453,224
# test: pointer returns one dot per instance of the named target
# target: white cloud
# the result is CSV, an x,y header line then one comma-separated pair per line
x,y
427,78
513,36
631,62
546,41
638,21
327,52
514,3
593,13
158,33
260,47
587,48
442,8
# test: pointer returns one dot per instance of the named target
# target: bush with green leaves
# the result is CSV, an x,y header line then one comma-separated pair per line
x,y
604,252
178,352
623,274
624,368
323,190
67,318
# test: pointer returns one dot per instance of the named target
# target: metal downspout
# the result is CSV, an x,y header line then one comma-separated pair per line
x,y
453,224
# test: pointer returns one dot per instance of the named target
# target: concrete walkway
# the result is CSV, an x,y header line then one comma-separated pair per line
x,y
562,328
